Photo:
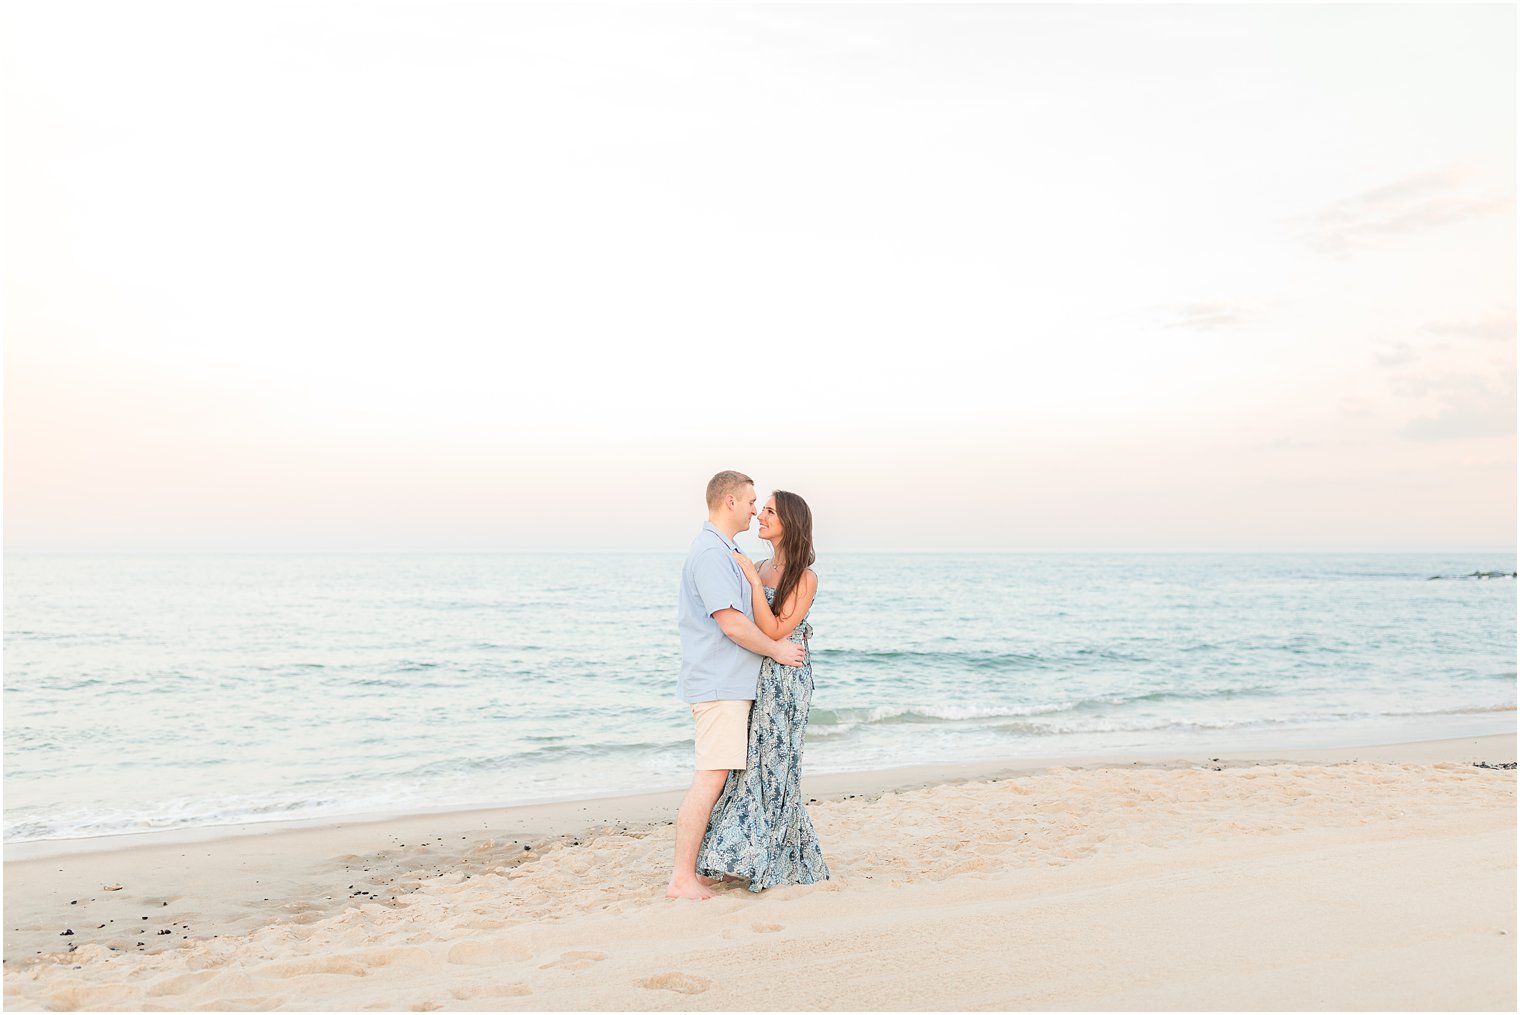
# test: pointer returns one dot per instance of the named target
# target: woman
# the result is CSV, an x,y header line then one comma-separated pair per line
x,y
760,828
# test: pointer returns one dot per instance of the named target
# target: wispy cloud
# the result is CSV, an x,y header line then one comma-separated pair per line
x,y
1393,354
1440,335
1411,205
1355,408
1207,316
1494,328
1469,405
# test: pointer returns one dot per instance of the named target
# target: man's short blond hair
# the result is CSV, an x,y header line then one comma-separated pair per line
x,y
723,484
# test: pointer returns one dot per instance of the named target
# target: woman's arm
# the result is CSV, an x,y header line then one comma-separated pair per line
x,y
796,606
792,611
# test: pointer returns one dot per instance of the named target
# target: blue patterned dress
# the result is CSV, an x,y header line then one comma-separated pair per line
x,y
760,827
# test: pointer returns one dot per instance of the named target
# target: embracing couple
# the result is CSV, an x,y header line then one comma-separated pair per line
x,y
746,673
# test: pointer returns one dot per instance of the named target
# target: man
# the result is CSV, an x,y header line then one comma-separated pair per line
x,y
721,650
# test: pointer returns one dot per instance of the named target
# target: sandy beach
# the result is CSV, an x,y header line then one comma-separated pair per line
x,y
1366,878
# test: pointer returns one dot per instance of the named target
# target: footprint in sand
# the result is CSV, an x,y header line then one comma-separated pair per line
x,y
491,990
116,995
488,953
377,957
681,983
755,928
338,965
180,984
575,960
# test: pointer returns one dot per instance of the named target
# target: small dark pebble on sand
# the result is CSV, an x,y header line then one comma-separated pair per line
x,y
67,933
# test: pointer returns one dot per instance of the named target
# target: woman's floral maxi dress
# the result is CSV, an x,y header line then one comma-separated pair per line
x,y
760,827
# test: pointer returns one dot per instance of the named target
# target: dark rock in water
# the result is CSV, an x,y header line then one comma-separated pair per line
x,y
67,933
1475,574
1502,766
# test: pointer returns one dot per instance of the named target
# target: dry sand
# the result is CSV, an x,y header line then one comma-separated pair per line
x,y
1370,878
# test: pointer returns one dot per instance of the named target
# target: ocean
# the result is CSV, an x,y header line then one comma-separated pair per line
x,y
160,692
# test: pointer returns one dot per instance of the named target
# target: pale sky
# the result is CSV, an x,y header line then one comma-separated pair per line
x,y
470,276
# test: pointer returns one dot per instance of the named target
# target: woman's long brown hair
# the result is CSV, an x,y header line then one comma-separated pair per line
x,y
796,545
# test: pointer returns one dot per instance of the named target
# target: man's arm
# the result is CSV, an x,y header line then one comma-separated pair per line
x,y
743,632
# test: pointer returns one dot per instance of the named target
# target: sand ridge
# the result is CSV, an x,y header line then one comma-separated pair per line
x,y
979,894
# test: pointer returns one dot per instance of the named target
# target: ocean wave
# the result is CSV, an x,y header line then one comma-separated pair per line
x,y
509,763
976,661
81,824
905,714
1460,710
1090,715
1138,726
925,714
1142,725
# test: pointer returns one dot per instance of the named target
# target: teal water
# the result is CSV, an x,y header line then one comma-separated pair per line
x,y
162,692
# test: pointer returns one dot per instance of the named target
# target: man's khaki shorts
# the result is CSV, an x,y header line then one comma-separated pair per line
x,y
722,733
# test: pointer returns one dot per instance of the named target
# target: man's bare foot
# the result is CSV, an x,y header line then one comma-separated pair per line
x,y
685,889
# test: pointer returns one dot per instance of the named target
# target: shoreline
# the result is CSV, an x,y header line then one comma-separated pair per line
x,y
824,784
190,888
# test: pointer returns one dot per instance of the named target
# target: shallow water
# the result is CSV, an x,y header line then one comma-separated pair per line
x,y
158,692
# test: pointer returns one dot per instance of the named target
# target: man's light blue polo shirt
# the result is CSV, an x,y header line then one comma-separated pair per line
x,y
713,668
